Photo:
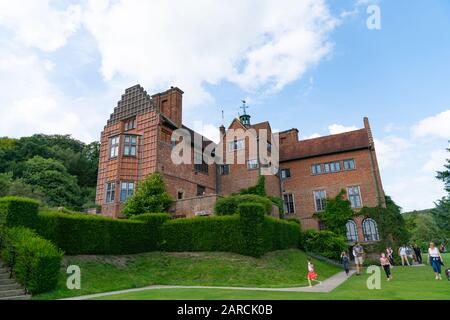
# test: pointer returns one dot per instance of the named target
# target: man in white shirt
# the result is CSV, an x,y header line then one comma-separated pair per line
x,y
358,253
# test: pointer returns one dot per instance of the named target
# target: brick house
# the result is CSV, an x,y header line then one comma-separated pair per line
x,y
137,141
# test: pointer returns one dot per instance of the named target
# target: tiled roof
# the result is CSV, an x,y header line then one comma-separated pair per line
x,y
347,141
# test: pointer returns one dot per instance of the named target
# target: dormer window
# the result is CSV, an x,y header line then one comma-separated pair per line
x,y
130,124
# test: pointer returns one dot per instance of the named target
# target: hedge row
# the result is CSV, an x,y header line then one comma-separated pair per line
x,y
35,261
229,205
18,211
324,243
86,234
250,233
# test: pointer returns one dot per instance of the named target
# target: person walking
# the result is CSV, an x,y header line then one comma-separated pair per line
x,y
402,252
312,276
345,261
435,260
418,253
358,254
390,255
386,265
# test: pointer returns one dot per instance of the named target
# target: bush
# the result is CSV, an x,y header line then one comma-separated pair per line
x,y
87,234
280,234
229,205
295,220
252,218
17,211
151,196
324,243
203,234
152,217
34,260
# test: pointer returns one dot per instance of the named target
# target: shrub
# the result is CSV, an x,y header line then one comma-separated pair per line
x,y
324,243
152,217
151,196
252,218
229,205
34,260
280,234
295,220
219,233
87,234
18,211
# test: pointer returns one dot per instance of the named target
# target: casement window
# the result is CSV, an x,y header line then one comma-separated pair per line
x,y
130,124
349,164
114,147
354,196
352,231
320,197
199,164
252,164
224,170
288,200
316,169
126,190
130,146
334,166
322,225
237,145
110,192
370,230
285,173
201,190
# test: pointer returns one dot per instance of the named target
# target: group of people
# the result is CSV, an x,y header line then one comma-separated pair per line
x,y
405,252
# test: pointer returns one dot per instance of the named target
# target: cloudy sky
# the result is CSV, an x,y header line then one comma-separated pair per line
x,y
309,64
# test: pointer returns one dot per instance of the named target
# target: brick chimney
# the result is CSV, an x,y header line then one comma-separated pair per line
x,y
289,136
170,104
369,131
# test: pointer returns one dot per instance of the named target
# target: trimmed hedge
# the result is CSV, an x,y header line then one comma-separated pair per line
x,y
324,243
249,233
18,211
87,234
229,205
203,234
34,260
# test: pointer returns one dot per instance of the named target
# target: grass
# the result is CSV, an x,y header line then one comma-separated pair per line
x,y
410,283
286,268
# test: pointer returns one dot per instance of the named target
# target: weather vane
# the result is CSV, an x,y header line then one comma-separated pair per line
x,y
244,106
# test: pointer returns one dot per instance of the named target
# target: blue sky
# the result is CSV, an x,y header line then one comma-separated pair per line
x,y
313,65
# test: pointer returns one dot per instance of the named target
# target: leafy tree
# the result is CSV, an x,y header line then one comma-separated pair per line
x,y
151,197
426,229
337,212
52,179
441,215
445,174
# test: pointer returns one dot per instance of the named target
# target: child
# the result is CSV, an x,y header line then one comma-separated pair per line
x,y
386,264
312,276
345,261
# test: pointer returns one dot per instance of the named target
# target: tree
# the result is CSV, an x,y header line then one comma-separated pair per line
x,y
151,197
337,212
441,215
426,230
445,174
52,179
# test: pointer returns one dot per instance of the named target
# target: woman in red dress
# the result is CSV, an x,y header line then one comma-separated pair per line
x,y
312,276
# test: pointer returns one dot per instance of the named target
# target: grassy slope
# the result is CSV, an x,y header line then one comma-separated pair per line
x,y
408,283
285,268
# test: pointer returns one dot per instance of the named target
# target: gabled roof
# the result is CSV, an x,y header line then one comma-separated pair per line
x,y
347,141
261,125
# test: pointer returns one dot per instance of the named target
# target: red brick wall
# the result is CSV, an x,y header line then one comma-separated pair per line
x,y
302,183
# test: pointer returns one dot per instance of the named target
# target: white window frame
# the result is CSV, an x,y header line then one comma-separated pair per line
x,y
350,169
129,145
127,189
252,164
293,203
324,199
114,143
347,233
236,145
376,229
111,191
315,167
359,194
283,175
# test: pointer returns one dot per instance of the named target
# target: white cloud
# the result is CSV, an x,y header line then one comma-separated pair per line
x,y
37,24
391,151
338,128
256,44
438,126
436,161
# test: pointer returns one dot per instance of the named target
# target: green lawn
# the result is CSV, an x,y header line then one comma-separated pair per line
x,y
409,283
285,268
